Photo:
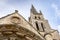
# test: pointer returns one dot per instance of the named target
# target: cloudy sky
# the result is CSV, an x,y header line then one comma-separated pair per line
x,y
49,8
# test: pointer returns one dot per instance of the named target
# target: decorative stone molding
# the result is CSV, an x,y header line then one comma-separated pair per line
x,y
20,32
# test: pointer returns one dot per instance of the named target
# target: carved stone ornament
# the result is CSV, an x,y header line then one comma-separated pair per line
x,y
15,19
16,33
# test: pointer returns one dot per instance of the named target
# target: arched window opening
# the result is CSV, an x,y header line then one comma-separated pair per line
x,y
42,26
37,26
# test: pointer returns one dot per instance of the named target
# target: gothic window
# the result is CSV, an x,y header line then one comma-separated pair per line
x,y
42,26
37,26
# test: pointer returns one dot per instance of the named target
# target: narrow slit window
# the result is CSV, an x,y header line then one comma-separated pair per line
x,y
37,26
42,26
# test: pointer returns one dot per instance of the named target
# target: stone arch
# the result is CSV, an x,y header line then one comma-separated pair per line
x,y
47,34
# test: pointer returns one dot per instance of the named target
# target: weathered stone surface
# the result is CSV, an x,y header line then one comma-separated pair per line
x,y
15,27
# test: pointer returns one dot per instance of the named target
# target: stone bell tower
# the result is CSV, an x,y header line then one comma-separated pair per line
x,y
38,21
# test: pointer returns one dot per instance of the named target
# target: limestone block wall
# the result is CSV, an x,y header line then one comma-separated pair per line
x,y
55,35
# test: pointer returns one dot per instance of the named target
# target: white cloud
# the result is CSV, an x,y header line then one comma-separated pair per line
x,y
57,10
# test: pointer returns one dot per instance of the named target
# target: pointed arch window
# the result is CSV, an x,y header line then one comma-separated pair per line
x,y
37,26
42,26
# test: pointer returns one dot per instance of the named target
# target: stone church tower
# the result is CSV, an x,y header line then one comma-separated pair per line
x,y
16,27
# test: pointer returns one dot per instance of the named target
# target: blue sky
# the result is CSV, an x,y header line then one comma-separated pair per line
x,y
49,8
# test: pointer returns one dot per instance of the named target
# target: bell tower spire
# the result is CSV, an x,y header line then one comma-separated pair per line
x,y
37,20
33,10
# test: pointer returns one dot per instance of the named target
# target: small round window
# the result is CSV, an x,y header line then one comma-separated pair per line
x,y
15,19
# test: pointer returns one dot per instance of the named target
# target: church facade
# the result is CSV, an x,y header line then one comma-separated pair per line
x,y
16,27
